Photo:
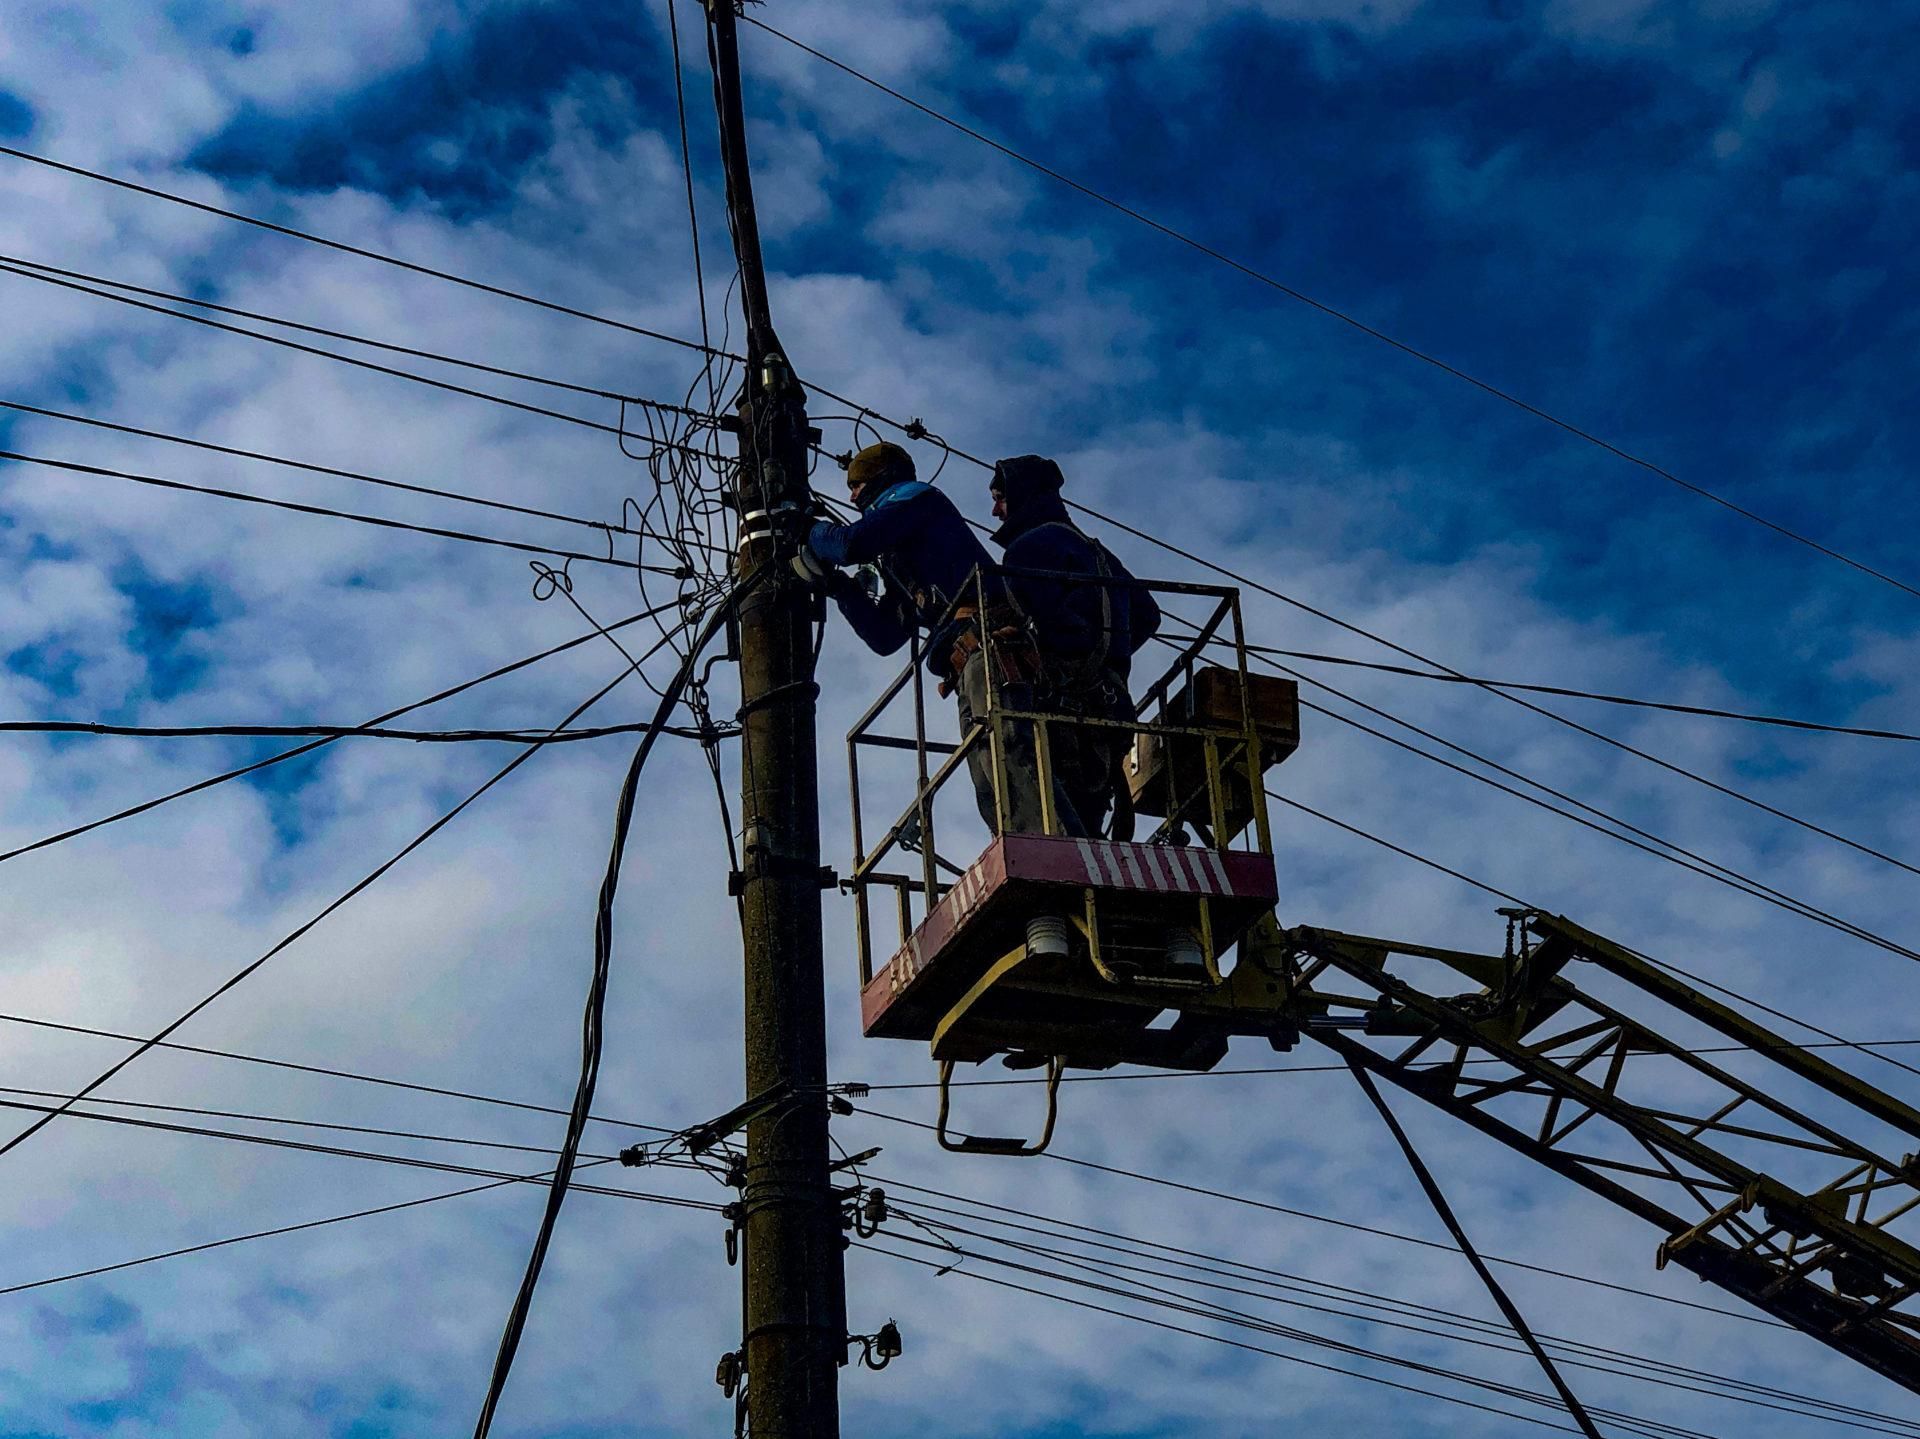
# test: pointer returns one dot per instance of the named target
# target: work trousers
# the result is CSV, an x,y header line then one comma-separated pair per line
x,y
1085,759
1020,765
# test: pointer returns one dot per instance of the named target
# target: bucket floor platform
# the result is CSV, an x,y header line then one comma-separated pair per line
x,y
964,981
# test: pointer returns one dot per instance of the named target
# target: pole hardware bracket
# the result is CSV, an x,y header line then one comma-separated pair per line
x,y
699,1138
879,1349
727,1374
762,868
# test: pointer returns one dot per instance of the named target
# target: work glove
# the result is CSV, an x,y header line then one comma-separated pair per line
x,y
811,568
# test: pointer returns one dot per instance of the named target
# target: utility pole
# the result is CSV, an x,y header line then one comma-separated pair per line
x,y
795,1292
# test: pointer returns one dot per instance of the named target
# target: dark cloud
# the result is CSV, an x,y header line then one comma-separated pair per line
x,y
16,117
458,129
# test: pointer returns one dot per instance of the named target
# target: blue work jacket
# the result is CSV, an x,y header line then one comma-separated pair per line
x,y
1083,630
926,555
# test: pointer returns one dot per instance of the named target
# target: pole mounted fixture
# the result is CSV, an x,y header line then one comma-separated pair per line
x,y
786,1372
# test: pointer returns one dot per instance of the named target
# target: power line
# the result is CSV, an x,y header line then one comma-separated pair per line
x,y
1348,1224
493,1100
1681,856
372,876
316,1069
693,210
915,429
1347,1302
717,353
1133,1245
1423,356
356,1214
345,248
264,731
1631,701
1609,740
678,572
944,1269
299,750
1160,1297
202,1112
41,270
409,1161
419,379
505,506
267,1141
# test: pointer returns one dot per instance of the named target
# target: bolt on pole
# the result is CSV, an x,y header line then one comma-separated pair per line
x,y
796,1327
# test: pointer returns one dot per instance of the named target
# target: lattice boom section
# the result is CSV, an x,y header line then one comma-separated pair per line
x,y
1812,1220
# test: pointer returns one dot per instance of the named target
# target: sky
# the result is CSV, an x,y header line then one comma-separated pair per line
x,y
1687,229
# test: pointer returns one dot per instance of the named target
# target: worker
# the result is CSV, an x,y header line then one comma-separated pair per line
x,y
926,556
1087,631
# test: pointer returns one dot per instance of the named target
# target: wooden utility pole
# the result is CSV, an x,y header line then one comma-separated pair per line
x,y
796,1326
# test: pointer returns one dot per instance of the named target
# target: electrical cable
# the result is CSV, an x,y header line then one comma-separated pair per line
x,y
152,192
1598,697
693,210
359,886
1228,1196
1681,856
592,1025
266,1141
534,1178
305,509
82,281
1160,1297
263,731
305,749
1618,744
503,505
1343,1301
323,1071
493,1100
939,1226
1133,1247
1447,1217
1212,1338
334,355
1424,357
719,353
374,1131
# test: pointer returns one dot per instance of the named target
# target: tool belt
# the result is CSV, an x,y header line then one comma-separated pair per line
x,y
1010,647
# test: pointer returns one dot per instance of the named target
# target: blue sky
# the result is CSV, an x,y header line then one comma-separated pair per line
x,y
1687,227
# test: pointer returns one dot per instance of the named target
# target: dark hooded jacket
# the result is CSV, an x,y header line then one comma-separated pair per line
x,y
1085,631
916,538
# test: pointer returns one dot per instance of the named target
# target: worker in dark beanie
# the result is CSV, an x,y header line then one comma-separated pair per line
x,y
926,556
1087,629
